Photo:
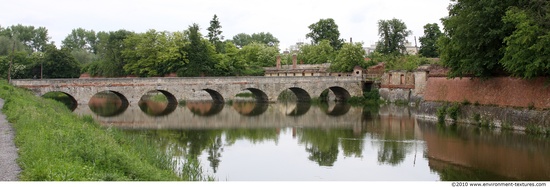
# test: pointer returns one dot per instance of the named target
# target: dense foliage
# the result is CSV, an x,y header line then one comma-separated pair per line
x,y
494,37
325,29
393,37
429,40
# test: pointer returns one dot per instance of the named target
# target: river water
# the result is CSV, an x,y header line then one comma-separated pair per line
x,y
249,141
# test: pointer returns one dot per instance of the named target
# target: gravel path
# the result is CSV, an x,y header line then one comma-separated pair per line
x,y
9,170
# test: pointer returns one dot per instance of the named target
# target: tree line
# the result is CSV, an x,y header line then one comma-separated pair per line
x,y
186,53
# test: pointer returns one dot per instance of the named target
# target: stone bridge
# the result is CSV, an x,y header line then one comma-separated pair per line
x,y
221,89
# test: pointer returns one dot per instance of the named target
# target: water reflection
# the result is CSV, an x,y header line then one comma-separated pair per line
x,y
459,153
250,108
205,108
335,108
250,141
156,103
107,104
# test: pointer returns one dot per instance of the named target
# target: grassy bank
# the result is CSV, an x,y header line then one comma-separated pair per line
x,y
56,145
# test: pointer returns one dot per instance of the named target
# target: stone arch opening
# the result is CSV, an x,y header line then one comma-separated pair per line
x,y
216,96
108,103
335,93
63,97
294,94
158,103
260,95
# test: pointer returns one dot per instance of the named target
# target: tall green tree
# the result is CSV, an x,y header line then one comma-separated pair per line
x,y
348,57
527,54
34,38
317,53
393,37
231,63
256,56
81,39
325,29
154,53
474,33
200,53
428,42
59,63
110,61
215,34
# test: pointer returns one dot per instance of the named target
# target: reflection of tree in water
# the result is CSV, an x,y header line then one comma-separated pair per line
x,y
215,153
392,152
323,144
324,156
252,135
190,144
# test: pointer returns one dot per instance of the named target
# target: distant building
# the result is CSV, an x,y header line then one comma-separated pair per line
x,y
297,70
410,49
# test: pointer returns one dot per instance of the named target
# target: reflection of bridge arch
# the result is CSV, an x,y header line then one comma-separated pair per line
x,y
103,104
157,108
294,108
205,108
248,108
335,108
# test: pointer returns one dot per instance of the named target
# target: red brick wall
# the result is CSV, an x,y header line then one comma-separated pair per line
x,y
501,91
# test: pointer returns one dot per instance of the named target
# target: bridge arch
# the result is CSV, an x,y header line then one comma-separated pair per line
x,y
341,94
301,94
259,95
216,96
102,103
69,101
156,108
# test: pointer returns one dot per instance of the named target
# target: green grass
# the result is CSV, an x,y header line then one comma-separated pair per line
x,y
56,145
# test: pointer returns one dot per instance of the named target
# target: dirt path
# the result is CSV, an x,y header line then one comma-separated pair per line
x,y
9,170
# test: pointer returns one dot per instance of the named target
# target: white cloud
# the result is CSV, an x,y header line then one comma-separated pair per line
x,y
286,19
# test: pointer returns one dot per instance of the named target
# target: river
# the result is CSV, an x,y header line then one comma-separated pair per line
x,y
249,141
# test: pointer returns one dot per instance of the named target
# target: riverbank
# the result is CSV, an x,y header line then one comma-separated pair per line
x,y
508,118
55,144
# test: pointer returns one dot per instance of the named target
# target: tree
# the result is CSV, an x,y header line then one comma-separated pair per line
x,y
153,53
473,37
317,53
59,63
110,47
81,39
231,63
393,37
256,56
348,57
325,29
214,34
243,39
200,53
34,38
429,40
526,53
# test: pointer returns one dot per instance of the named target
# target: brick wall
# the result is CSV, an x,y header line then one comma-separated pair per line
x,y
500,91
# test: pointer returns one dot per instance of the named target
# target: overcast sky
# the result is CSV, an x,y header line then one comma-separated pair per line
x,y
288,20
